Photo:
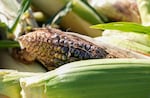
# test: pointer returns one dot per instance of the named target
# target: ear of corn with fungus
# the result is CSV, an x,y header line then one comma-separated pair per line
x,y
54,48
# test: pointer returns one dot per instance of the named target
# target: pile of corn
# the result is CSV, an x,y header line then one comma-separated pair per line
x,y
115,64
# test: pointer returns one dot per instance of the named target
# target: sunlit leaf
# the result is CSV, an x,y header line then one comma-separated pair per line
x,y
124,26
8,44
24,6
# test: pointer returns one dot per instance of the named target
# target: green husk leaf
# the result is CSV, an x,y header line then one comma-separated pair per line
x,y
67,8
85,12
9,82
2,25
97,78
124,26
82,9
24,6
127,44
3,30
101,15
8,44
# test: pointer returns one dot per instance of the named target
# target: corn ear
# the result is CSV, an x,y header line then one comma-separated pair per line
x,y
99,78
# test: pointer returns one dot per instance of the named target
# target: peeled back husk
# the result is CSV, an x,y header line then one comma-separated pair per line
x,y
131,41
8,62
99,78
9,82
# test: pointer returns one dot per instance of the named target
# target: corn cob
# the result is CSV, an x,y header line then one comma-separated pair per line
x,y
53,48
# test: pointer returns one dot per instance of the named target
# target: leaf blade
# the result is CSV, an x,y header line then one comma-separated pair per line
x,y
24,6
8,44
124,26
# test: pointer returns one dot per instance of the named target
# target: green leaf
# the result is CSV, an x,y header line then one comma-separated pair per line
x,y
101,15
24,6
3,25
124,26
8,44
3,30
58,16
83,10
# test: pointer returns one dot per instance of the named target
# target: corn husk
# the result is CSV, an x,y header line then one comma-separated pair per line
x,y
129,41
101,78
9,82
144,9
77,20
117,10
